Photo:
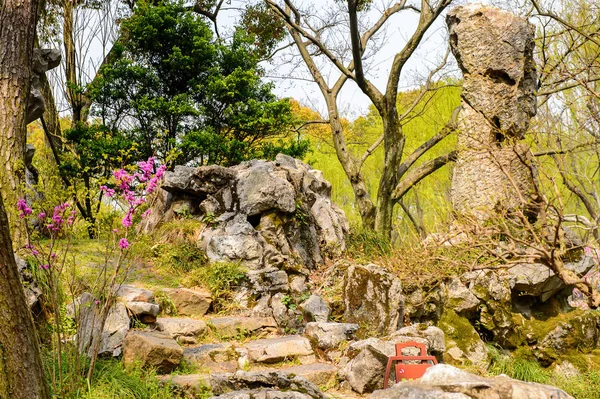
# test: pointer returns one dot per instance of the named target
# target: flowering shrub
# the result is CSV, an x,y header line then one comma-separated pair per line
x,y
129,191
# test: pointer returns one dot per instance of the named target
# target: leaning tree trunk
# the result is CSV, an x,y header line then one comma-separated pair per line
x,y
17,28
21,370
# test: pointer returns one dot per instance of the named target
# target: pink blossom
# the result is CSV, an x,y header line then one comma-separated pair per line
x,y
123,243
45,266
146,213
42,215
115,231
24,208
127,220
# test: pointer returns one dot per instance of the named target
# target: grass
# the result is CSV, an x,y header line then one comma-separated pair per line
x,y
582,386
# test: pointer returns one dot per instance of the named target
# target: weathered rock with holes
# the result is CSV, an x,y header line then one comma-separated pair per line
x,y
434,336
187,331
538,280
446,382
278,385
143,311
152,349
190,302
286,313
273,350
374,297
330,335
275,217
494,50
42,60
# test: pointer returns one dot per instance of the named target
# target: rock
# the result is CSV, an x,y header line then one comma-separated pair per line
x,y
577,330
42,60
30,286
152,349
286,313
87,314
186,330
373,296
218,358
190,302
232,326
460,299
260,189
423,303
463,344
276,380
447,382
330,335
274,217
273,350
315,309
143,311
298,284
538,280
191,384
320,374
268,280
263,393
129,293
436,344
494,50
365,372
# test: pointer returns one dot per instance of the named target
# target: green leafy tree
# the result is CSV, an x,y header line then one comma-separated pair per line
x,y
187,97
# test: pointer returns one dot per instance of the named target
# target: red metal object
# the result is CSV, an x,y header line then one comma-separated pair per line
x,y
408,371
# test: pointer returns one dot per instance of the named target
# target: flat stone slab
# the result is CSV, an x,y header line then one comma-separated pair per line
x,y
330,335
320,374
190,382
153,349
187,330
130,293
273,350
190,302
221,358
231,326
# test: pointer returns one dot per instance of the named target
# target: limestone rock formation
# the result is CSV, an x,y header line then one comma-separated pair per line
x,y
275,217
446,382
494,50
42,61
373,296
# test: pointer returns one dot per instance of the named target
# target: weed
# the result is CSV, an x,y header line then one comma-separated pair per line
x,y
300,214
220,279
166,305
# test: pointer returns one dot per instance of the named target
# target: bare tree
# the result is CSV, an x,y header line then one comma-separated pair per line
x,y
310,37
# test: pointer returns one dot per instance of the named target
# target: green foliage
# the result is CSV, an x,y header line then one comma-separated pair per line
x,y
520,368
113,380
220,278
191,98
182,256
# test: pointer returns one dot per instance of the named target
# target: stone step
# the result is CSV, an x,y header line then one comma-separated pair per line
x,y
194,384
273,350
185,330
232,326
220,357
323,375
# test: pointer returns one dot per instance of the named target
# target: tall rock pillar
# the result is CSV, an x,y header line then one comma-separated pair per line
x,y
494,168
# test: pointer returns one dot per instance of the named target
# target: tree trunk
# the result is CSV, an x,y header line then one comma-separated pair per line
x,y
394,145
21,370
17,28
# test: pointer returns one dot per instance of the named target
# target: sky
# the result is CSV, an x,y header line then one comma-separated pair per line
x,y
352,102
